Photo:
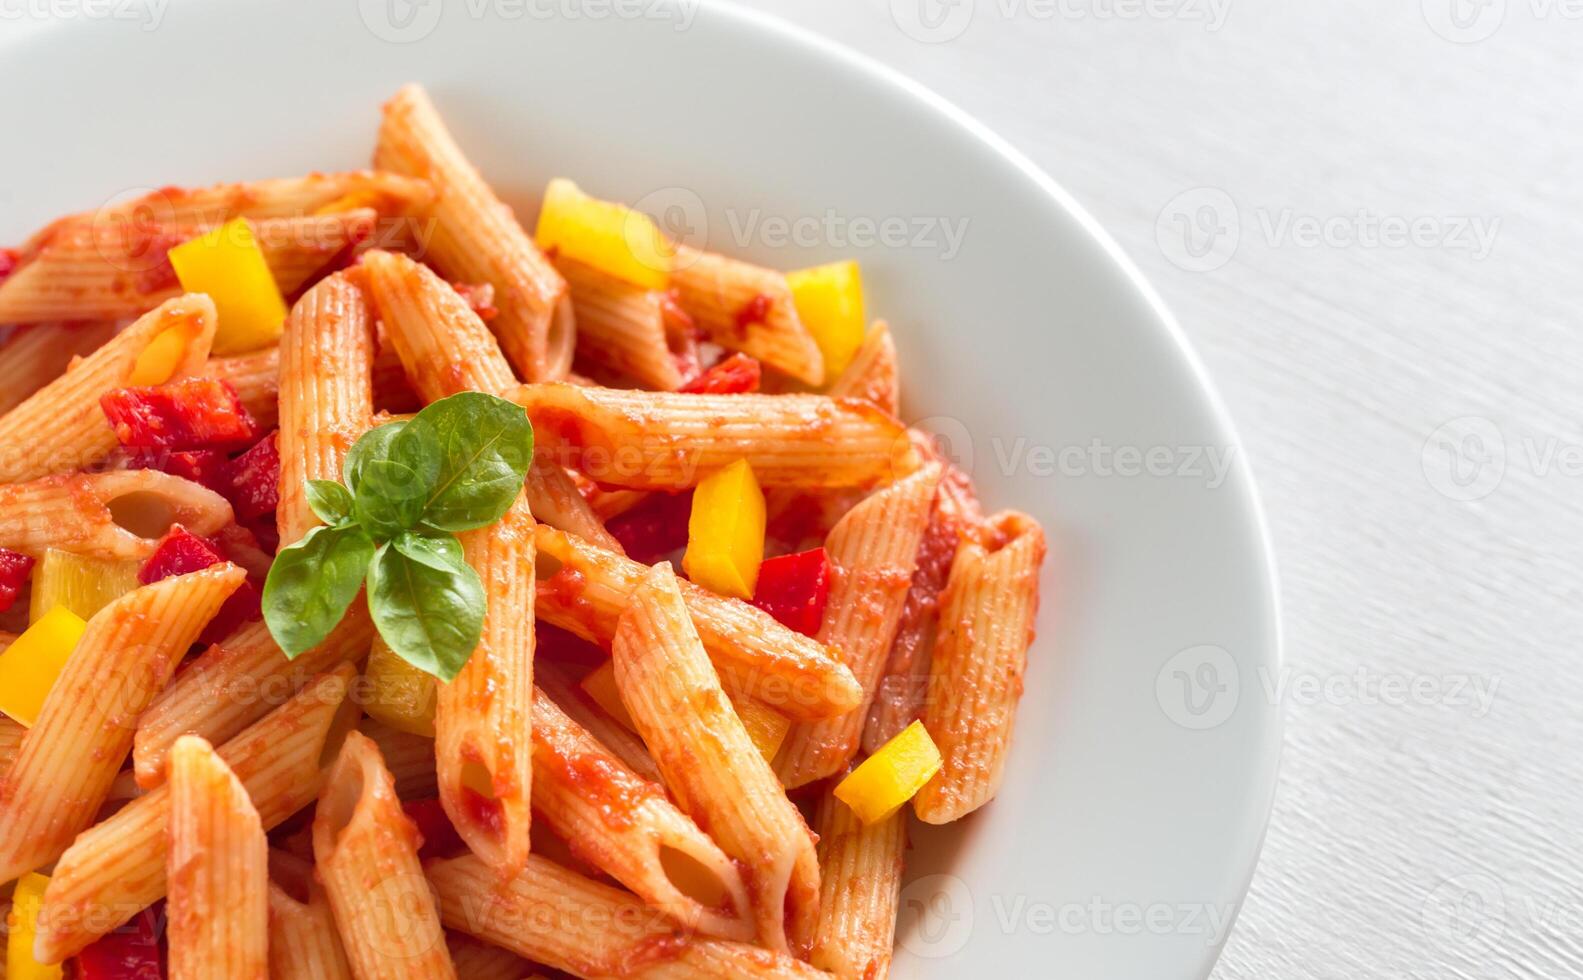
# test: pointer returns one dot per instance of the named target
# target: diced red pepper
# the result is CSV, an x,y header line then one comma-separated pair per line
x,y
737,374
208,467
180,552
755,310
440,838
14,571
130,952
794,589
480,296
255,480
195,413
9,260
654,528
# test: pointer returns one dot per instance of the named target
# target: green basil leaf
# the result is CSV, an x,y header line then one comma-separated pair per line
x,y
427,603
484,445
395,482
331,501
312,582
373,444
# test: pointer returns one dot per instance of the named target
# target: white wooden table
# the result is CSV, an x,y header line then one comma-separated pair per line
x,y
1384,208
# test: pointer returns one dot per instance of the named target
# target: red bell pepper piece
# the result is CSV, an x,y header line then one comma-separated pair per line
x,y
440,838
180,552
9,260
255,480
14,571
755,310
794,589
654,528
735,375
131,952
194,413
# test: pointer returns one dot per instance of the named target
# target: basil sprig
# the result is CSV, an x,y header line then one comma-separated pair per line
x,y
410,486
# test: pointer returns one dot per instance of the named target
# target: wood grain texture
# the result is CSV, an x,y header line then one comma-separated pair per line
x,y
1338,363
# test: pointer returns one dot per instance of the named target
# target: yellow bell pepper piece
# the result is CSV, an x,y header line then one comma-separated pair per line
x,y
766,727
399,694
83,585
610,237
29,666
22,923
227,264
892,776
725,533
601,686
157,363
829,301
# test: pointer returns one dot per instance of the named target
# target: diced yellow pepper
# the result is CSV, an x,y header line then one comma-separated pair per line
x,y
892,776
601,686
610,237
766,727
83,585
399,694
29,666
22,923
829,300
725,534
157,363
227,264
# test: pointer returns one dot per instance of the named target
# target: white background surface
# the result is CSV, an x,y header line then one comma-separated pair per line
x,y
1433,838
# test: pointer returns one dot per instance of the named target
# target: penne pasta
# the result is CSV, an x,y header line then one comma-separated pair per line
x,y
61,427
625,826
326,362
633,332
68,761
475,238
669,441
872,373
747,308
483,718
986,626
478,960
256,378
35,355
217,871
103,269
234,683
556,501
570,698
303,943
899,696
443,345
860,870
11,732
587,589
281,197
365,849
873,553
119,515
557,917
409,757
116,868
709,761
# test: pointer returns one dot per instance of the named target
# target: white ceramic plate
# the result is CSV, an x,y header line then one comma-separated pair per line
x,y
1145,756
